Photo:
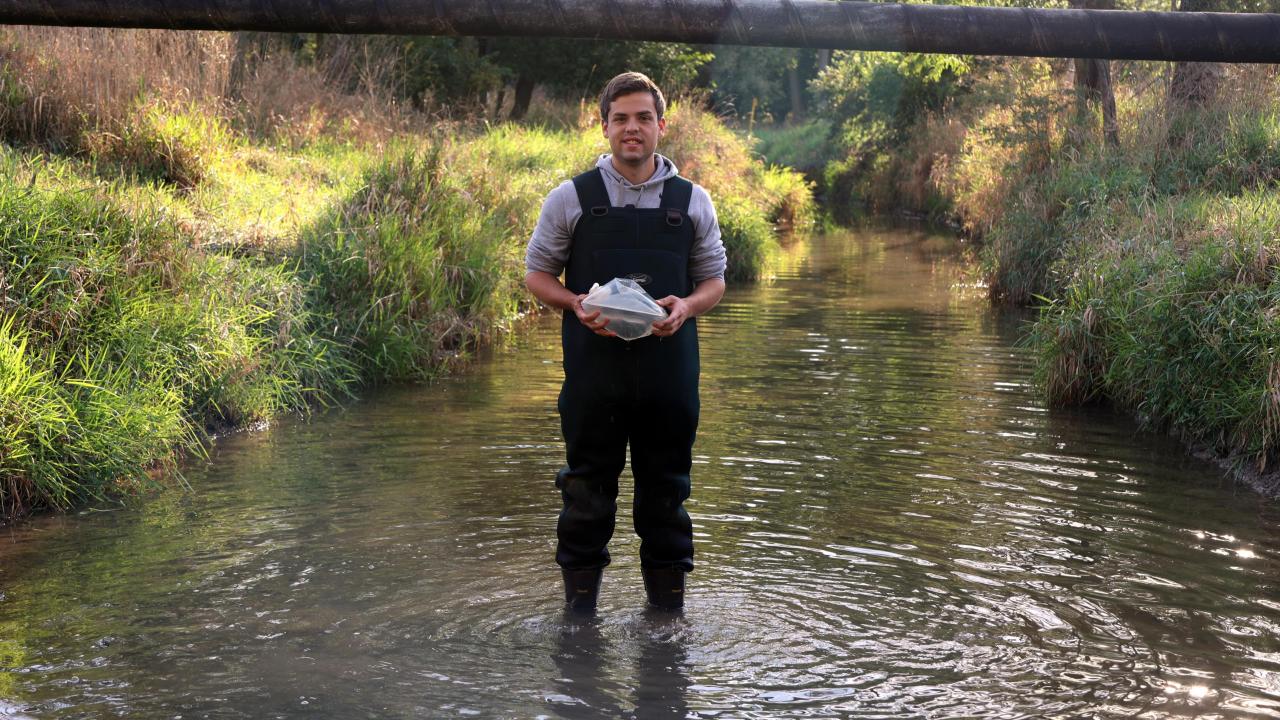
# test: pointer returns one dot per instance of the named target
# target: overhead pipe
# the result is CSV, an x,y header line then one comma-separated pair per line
x,y
965,30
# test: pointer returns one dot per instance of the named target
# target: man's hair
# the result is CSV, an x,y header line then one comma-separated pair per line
x,y
627,83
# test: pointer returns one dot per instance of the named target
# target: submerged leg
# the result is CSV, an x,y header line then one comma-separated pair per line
x,y
595,438
661,457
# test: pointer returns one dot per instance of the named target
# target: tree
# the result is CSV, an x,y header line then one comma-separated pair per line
x,y
574,69
772,80
873,99
1195,83
1093,82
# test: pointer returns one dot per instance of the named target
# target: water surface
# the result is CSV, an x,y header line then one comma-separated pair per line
x,y
889,523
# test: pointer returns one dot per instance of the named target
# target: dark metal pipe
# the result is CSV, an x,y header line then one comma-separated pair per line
x,y
1214,37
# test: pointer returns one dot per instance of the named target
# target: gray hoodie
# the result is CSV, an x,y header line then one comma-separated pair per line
x,y
548,249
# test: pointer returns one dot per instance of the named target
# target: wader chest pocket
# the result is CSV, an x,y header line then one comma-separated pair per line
x,y
611,227
661,268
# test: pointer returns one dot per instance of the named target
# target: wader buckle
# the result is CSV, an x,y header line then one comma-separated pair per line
x,y
675,218
600,210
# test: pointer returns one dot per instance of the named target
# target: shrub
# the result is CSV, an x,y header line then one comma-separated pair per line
x,y
752,199
749,241
805,147
173,145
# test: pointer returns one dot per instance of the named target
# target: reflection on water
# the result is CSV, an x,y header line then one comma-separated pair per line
x,y
585,661
889,524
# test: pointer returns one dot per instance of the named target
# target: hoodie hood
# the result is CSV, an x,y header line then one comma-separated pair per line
x,y
666,170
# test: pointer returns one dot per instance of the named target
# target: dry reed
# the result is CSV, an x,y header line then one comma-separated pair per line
x,y
59,83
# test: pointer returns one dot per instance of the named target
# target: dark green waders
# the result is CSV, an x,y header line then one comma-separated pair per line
x,y
643,393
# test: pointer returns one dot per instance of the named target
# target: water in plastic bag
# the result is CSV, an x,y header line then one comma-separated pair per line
x,y
630,310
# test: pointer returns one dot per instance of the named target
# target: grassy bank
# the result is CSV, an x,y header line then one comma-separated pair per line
x,y
177,262
1161,263
1156,262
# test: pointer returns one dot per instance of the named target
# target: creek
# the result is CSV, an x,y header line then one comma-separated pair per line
x,y
888,521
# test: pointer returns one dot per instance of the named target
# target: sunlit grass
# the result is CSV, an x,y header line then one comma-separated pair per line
x,y
123,343
265,195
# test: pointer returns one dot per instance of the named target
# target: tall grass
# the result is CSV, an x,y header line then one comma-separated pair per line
x,y
1178,323
92,89
123,346
425,260
58,84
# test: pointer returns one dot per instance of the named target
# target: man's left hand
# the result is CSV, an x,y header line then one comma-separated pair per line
x,y
678,311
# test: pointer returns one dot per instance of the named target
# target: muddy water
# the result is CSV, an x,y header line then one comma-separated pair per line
x,y
888,523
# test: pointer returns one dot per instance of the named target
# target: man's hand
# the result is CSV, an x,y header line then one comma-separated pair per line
x,y
591,320
547,288
703,298
678,311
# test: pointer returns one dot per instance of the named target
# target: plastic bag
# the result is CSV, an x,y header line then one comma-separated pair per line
x,y
630,310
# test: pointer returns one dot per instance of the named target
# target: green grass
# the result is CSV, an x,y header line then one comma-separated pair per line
x,y
1180,330
265,195
122,344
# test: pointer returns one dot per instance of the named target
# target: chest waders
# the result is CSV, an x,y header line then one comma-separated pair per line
x,y
643,393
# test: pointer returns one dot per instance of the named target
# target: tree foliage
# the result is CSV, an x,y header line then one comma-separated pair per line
x,y
874,97
463,74
743,79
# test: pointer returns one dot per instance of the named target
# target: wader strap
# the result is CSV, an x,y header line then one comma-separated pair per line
x,y
593,196
676,193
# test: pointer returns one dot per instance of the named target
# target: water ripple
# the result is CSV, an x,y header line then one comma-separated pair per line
x,y
889,524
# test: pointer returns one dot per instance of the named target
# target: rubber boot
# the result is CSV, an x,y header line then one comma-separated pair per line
x,y
665,587
581,588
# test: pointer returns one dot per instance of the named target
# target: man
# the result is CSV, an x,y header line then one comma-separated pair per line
x,y
631,216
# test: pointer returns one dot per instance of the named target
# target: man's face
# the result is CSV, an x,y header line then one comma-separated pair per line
x,y
633,128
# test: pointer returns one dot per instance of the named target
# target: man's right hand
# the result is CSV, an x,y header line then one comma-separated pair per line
x,y
591,320
547,288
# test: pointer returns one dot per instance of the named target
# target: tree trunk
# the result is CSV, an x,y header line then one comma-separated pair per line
x,y
796,90
499,102
1093,83
524,94
1194,84
250,47
824,59
1110,126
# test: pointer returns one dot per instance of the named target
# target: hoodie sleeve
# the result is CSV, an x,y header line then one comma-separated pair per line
x,y
548,249
706,257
